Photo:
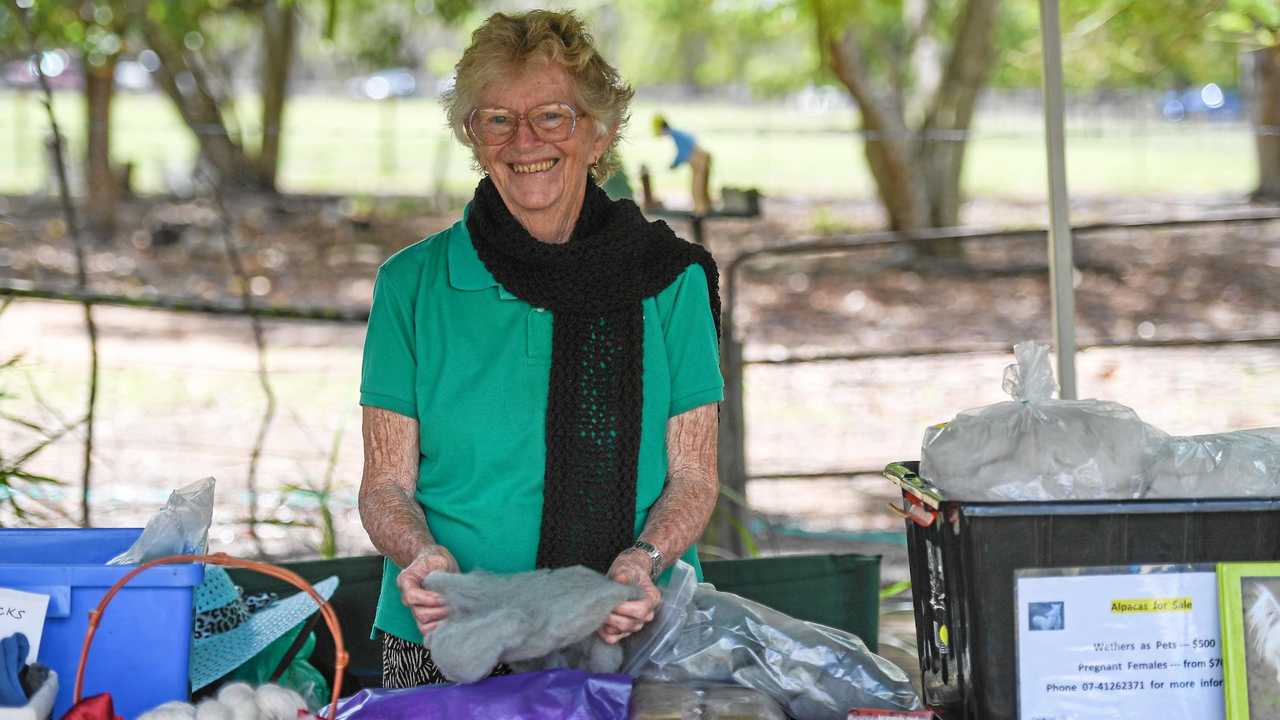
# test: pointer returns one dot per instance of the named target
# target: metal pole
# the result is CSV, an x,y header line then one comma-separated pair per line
x,y
733,430
1061,267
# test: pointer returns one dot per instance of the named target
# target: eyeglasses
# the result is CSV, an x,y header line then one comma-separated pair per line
x,y
553,122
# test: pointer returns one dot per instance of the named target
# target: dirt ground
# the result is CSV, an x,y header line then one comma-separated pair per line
x,y
179,396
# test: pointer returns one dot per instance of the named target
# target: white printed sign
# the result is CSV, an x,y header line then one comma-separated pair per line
x,y
1138,642
23,612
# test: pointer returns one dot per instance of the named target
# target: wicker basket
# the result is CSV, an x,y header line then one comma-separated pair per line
x,y
326,611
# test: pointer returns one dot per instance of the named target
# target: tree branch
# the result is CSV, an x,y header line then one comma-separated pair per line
x,y
73,231
264,378
967,67
921,26
844,57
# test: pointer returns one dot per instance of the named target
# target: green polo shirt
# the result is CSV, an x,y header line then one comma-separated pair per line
x,y
451,348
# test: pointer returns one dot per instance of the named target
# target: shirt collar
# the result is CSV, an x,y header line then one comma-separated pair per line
x,y
466,272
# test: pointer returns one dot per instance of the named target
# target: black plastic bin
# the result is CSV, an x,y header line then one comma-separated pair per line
x,y
963,555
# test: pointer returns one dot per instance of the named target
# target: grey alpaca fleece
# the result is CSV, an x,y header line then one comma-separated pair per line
x,y
538,619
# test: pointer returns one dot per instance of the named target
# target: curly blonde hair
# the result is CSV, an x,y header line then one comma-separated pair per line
x,y
505,41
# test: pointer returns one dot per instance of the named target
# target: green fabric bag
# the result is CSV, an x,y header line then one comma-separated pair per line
x,y
300,675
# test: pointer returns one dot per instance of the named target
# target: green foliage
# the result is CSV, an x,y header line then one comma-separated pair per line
x,y
1018,37
766,46
372,34
893,589
24,495
1137,43
1251,22
724,511
316,496
95,29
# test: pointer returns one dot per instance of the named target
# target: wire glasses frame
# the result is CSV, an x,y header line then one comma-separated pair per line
x,y
552,122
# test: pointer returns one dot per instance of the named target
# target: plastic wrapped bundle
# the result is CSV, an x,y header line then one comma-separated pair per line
x,y
1235,464
1037,448
182,526
814,672
677,701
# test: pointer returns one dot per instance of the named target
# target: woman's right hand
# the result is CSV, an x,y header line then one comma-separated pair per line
x,y
428,607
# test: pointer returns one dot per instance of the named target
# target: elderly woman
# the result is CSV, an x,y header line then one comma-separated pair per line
x,y
540,380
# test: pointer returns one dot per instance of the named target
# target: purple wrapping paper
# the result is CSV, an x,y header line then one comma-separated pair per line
x,y
544,695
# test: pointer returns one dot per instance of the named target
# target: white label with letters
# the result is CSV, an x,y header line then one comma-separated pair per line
x,y
23,612
1132,642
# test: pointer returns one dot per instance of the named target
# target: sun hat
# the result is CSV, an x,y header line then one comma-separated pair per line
x,y
231,628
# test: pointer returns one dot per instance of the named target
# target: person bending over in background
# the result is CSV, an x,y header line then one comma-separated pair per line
x,y
688,150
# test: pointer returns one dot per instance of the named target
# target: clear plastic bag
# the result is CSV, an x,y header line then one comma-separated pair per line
x,y
657,635
1037,448
181,528
814,672
1235,464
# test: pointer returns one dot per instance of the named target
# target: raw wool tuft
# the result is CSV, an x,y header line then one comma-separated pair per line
x,y
173,710
242,700
538,619
211,709
236,701
279,703
594,284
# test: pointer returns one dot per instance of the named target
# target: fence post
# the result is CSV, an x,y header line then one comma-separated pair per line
x,y
733,447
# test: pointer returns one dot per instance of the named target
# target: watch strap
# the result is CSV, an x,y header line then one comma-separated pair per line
x,y
656,558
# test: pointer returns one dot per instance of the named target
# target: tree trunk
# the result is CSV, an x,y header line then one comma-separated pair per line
x,y
200,111
99,86
917,173
886,140
898,182
279,35
1266,81
945,129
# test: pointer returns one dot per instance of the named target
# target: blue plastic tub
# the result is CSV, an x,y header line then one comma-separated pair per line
x,y
140,651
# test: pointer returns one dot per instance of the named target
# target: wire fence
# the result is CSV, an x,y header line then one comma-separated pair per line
x,y
844,350
1173,317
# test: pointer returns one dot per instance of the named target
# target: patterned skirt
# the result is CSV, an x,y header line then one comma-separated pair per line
x,y
408,664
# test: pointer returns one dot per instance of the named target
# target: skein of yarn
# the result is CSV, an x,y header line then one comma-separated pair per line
x,y
236,701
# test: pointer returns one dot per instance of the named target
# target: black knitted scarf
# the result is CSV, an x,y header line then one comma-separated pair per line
x,y
593,284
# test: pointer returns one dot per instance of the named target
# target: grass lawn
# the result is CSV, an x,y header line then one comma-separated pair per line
x,y
336,144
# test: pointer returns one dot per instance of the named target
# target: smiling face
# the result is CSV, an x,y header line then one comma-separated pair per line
x,y
542,183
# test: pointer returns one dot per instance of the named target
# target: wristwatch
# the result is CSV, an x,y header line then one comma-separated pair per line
x,y
656,559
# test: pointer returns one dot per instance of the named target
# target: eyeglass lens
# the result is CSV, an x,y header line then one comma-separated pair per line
x,y
553,122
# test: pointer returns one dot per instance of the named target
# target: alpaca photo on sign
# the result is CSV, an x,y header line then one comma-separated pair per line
x,y
1045,616
1261,605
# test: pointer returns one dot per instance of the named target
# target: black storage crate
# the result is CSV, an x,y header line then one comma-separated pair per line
x,y
963,556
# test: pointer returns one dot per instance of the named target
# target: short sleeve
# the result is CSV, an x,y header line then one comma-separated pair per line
x,y
387,379
693,348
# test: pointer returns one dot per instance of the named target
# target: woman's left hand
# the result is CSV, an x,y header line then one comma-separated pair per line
x,y
631,568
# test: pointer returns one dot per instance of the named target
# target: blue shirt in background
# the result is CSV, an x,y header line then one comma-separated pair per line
x,y
684,146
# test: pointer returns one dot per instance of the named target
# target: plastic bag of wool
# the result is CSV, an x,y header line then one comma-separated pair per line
x,y
814,672
1244,463
1034,447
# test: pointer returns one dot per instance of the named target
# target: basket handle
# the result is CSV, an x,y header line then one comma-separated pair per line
x,y
326,610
